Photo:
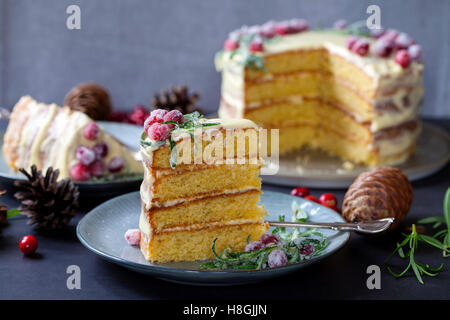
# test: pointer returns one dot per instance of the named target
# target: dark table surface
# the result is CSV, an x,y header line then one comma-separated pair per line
x,y
341,276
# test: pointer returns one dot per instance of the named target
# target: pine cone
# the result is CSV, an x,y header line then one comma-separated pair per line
x,y
45,201
91,99
376,194
177,99
3,216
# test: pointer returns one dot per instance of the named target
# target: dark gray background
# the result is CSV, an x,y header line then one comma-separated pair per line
x,y
135,48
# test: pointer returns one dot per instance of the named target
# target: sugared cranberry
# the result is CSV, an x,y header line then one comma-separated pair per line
x,y
256,45
402,58
383,48
158,132
312,198
254,245
138,115
277,258
231,44
253,29
97,168
85,155
174,115
377,33
306,249
361,47
28,245
116,164
300,192
91,131
268,30
350,42
156,116
390,35
133,237
282,28
100,149
415,52
118,116
340,24
403,41
328,199
297,25
80,172
269,239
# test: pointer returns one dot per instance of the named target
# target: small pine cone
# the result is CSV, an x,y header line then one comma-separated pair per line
x,y
49,203
91,99
376,194
176,99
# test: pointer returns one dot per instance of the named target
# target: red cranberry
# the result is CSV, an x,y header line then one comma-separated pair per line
x,y
100,149
158,132
80,172
297,25
28,245
269,239
155,116
383,48
277,258
254,245
328,199
361,47
402,58
253,29
415,52
377,33
256,45
85,155
282,28
268,30
118,116
403,41
300,192
133,237
306,249
174,115
231,44
91,131
116,164
340,24
390,35
350,41
312,198
97,168
138,115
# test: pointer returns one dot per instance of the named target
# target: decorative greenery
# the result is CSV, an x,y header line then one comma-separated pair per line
x,y
249,59
357,28
13,212
290,244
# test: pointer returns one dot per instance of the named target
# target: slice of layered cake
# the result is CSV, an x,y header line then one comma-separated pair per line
x,y
352,94
46,135
201,182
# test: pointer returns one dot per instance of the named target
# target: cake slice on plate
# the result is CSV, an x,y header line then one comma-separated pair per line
x,y
48,135
198,186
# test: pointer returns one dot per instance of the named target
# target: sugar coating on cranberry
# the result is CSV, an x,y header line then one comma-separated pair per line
x,y
390,35
402,58
415,52
383,48
377,33
256,45
269,239
350,41
91,131
254,245
361,47
403,41
306,249
85,155
277,258
100,149
267,30
133,237
80,172
174,115
231,44
158,132
97,168
116,164
156,116
297,25
340,24
282,28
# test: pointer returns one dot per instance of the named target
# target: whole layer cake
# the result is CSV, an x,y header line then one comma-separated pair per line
x,y
356,97
46,135
187,202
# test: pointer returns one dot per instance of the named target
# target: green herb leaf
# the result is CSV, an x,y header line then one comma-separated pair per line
x,y
12,213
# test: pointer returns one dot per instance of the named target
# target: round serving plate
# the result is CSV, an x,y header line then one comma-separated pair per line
x,y
127,134
316,169
102,230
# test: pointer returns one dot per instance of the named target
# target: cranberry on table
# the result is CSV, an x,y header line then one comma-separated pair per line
x,y
100,149
85,155
158,131
312,198
328,199
80,172
300,192
277,258
91,131
28,245
138,115
116,164
402,58
118,116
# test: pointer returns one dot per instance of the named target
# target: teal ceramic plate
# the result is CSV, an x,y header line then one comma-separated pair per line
x,y
126,133
102,231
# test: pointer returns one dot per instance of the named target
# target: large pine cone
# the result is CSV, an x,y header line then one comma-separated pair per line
x,y
90,98
176,99
376,194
